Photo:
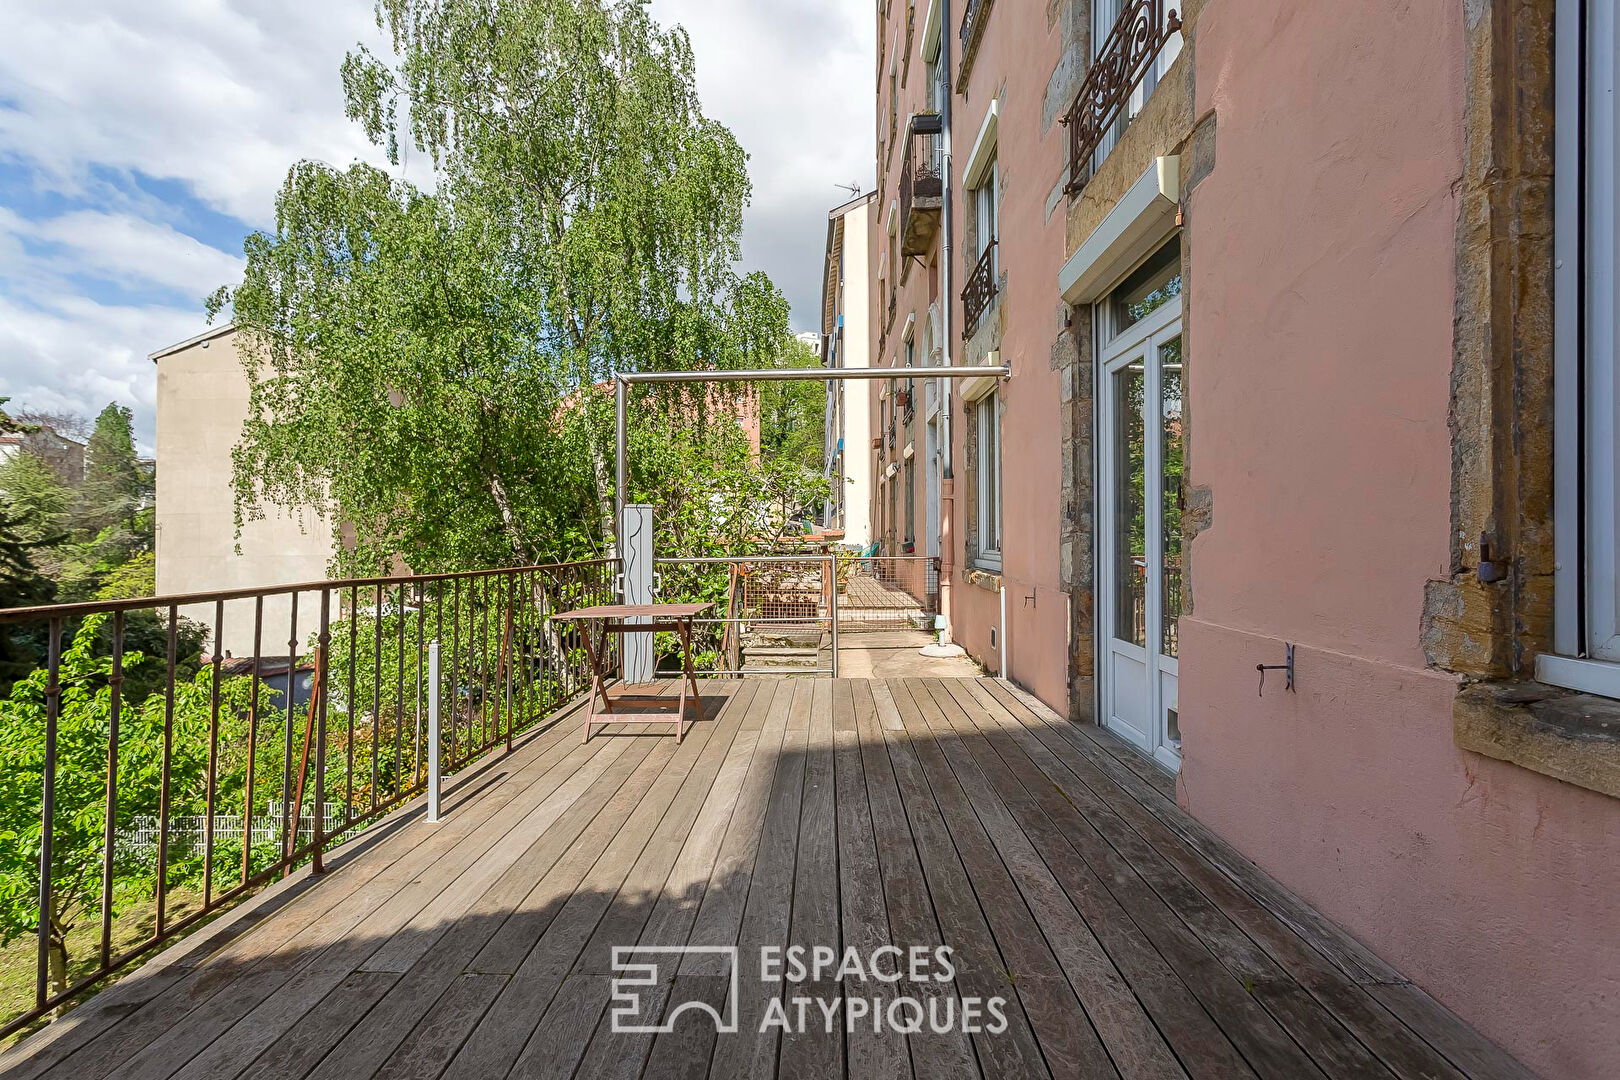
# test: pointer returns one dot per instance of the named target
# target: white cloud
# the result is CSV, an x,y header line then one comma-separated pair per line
x,y
78,355
222,96
793,79
118,248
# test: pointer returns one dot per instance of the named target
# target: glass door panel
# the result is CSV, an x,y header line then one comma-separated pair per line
x,y
1172,498
1130,505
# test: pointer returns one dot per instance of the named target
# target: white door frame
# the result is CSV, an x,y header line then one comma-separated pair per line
x,y
1141,340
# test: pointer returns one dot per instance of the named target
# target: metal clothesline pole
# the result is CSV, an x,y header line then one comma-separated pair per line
x,y
623,380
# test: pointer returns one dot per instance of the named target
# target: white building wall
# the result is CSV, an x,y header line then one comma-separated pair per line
x,y
855,352
202,400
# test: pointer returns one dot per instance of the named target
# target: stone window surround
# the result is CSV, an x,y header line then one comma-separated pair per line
x,y
1492,632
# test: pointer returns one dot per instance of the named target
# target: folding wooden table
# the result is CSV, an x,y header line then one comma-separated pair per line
x,y
615,619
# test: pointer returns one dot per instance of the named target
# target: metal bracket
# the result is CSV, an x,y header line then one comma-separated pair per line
x,y
1288,682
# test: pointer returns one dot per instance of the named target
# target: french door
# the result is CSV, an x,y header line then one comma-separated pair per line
x,y
1139,436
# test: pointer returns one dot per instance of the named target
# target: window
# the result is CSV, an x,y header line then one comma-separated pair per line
x,y
984,208
1104,13
987,416
1587,356
911,507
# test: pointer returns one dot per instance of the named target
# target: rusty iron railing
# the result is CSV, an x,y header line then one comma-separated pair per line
x,y
920,175
981,289
1132,45
165,777
973,19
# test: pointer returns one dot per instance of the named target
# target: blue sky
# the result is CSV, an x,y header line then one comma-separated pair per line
x,y
140,142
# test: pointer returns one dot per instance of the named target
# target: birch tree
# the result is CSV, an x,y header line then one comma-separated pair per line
x,y
425,355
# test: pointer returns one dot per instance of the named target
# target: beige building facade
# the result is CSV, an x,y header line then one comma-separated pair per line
x,y
202,401
845,343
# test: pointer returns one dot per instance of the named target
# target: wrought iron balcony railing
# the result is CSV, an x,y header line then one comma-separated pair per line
x,y
1133,44
973,19
169,778
921,184
981,289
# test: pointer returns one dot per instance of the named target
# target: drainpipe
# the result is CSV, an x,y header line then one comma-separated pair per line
x,y
947,303
947,233
1001,636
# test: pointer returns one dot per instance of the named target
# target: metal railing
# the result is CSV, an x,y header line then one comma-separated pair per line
x,y
921,177
887,592
775,614
981,289
1132,45
147,790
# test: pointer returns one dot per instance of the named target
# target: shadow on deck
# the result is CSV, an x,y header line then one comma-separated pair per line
x,y
1120,936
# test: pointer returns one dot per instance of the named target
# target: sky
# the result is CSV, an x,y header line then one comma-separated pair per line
x,y
139,143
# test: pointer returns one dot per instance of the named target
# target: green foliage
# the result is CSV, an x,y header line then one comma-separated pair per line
x,y
422,363
792,415
115,486
84,733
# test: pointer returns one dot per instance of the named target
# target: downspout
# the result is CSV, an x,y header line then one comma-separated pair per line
x,y
947,303
947,300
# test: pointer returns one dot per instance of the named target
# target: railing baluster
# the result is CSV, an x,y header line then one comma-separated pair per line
x,y
399,695
354,663
53,708
115,687
455,674
376,692
322,676
289,813
253,740
163,789
417,763
213,760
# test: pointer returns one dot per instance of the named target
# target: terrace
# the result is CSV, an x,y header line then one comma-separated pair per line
x,y
1122,937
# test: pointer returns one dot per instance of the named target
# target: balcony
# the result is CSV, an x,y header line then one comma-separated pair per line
x,y
981,289
1133,44
921,185
1090,920
878,813
973,19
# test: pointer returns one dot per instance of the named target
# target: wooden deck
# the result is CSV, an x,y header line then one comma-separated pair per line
x,y
1124,938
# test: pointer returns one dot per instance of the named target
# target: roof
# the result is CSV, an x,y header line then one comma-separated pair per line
x,y
207,335
845,207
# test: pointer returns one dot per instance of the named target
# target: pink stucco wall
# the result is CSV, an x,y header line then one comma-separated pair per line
x,y
1020,48
1320,350
1015,59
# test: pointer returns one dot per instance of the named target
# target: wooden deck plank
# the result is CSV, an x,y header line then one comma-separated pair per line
x,y
1065,1032
816,1054
1293,940
580,897
449,885
879,1054
768,910
1033,854
1127,939
300,1049
719,917
434,1039
980,969
1152,891
435,972
610,907
905,890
